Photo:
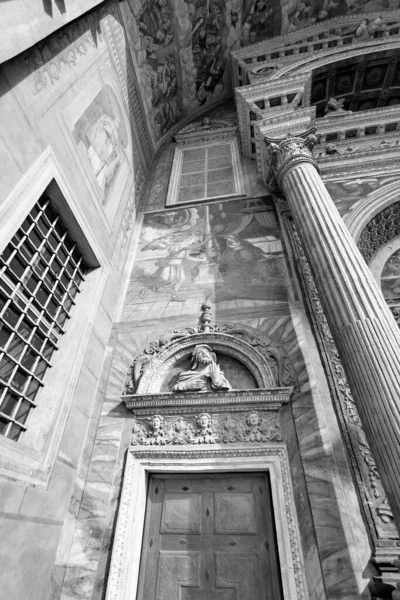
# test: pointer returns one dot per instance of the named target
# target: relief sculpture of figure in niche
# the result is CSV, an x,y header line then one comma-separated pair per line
x,y
204,375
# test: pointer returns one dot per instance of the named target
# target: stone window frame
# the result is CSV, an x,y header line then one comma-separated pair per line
x,y
176,172
31,459
140,464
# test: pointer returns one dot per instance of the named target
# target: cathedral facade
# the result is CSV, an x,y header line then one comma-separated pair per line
x,y
200,300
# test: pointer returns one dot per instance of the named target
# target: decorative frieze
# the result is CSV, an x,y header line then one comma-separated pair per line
x,y
206,428
207,418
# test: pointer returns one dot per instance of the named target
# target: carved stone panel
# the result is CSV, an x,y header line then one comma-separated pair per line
x,y
260,425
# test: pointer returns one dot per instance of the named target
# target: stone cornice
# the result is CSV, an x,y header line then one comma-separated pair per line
x,y
270,398
289,39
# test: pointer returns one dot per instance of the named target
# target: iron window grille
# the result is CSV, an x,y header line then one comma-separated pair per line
x,y
41,271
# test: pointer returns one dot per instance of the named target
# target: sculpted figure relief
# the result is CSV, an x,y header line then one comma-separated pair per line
x,y
204,375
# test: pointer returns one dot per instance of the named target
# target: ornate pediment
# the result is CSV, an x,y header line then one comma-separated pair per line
x,y
207,428
181,388
266,362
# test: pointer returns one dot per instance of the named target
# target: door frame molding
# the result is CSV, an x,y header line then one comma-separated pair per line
x,y
271,458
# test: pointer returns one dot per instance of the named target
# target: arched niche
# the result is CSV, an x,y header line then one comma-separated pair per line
x,y
162,368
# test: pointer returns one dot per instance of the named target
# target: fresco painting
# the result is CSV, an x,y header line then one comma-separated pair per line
x,y
102,132
298,14
228,252
390,278
208,30
346,194
151,28
260,19
181,47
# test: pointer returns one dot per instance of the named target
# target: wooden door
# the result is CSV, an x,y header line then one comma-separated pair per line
x,y
209,538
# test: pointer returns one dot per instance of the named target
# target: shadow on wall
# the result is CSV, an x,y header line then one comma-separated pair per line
x,y
48,6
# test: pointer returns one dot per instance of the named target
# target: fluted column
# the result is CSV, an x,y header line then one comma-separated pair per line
x,y
366,335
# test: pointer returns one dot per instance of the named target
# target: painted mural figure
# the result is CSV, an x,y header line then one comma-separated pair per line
x,y
250,260
232,249
170,273
104,152
208,22
204,375
102,133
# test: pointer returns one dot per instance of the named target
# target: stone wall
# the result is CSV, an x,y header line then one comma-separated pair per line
x,y
53,96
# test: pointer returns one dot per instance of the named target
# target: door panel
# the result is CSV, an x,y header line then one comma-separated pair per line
x,y
234,513
241,572
209,538
181,513
175,571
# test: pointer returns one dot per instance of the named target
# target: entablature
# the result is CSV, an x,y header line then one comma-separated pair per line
x,y
335,36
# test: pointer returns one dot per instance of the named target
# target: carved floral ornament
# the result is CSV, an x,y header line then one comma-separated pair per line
x,y
201,407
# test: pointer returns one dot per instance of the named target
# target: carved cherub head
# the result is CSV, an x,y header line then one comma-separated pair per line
x,y
253,420
204,422
156,424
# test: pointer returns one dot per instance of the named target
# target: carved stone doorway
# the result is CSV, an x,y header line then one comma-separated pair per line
x,y
209,538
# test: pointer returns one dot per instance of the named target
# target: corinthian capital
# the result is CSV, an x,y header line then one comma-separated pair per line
x,y
288,151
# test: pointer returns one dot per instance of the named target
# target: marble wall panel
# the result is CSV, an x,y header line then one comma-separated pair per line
x,y
28,556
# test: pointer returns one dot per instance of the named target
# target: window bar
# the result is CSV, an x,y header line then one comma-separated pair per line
x,y
41,271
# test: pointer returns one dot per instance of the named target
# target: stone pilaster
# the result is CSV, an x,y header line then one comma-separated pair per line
x,y
367,337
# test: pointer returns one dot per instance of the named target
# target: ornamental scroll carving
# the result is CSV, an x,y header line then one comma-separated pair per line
x,y
372,495
206,428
